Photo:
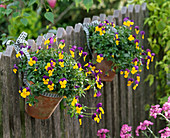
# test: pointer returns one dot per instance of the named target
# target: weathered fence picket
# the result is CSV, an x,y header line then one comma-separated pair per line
x,y
121,104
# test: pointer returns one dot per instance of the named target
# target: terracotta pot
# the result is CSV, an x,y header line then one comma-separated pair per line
x,y
105,66
44,108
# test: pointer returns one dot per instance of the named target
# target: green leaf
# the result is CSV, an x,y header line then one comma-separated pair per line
x,y
26,14
24,21
167,46
49,16
31,2
160,26
88,4
15,14
77,2
8,11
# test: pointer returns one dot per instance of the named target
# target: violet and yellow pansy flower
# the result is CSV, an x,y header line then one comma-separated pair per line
x,y
53,62
137,43
50,86
84,55
25,92
48,65
130,81
15,68
78,108
121,71
50,71
36,69
134,69
152,56
99,58
138,77
142,33
136,85
62,44
45,79
75,100
46,42
126,73
99,84
32,61
87,88
79,118
63,82
130,38
60,54
95,118
61,62
20,89
148,62
116,35
20,53
72,52
75,66
117,41
79,66
135,61
137,29
80,51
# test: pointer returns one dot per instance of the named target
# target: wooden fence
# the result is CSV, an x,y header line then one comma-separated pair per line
x,y
121,104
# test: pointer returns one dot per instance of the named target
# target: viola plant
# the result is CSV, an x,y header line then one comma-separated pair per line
x,y
145,127
54,71
118,45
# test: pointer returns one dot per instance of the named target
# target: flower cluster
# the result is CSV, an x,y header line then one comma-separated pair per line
x,y
57,72
144,126
102,133
125,131
119,45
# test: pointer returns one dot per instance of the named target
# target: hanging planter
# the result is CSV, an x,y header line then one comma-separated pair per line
x,y
116,50
52,75
44,108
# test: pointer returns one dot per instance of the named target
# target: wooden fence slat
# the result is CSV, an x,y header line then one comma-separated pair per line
x,y
102,17
61,34
87,20
5,92
1,83
95,18
33,45
118,17
40,41
116,108
110,18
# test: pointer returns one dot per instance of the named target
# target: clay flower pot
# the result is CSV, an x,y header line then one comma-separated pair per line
x,y
47,103
105,66
44,108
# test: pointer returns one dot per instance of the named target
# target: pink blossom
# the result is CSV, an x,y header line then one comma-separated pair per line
x,y
169,99
125,131
52,3
4,6
154,110
102,133
165,133
166,108
142,126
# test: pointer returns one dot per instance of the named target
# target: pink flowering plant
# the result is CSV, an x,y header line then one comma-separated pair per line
x,y
57,72
145,127
124,49
103,133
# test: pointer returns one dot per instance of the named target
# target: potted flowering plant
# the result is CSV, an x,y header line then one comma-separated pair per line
x,y
116,49
55,75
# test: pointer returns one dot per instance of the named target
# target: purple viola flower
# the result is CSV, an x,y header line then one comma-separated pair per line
x,y
61,52
15,66
74,47
39,47
103,29
101,55
106,21
153,54
20,88
98,111
143,53
22,46
51,40
76,86
94,115
148,57
45,77
137,27
80,49
148,50
79,65
77,97
98,94
134,36
28,89
132,21
136,82
60,60
37,67
99,105
78,105
84,54
29,47
50,82
142,47
142,32
50,46
143,61
80,116
34,58
49,68
21,52
136,67
53,60
127,70
62,41
52,64
126,18
135,59
100,25
130,79
121,70
136,41
62,79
